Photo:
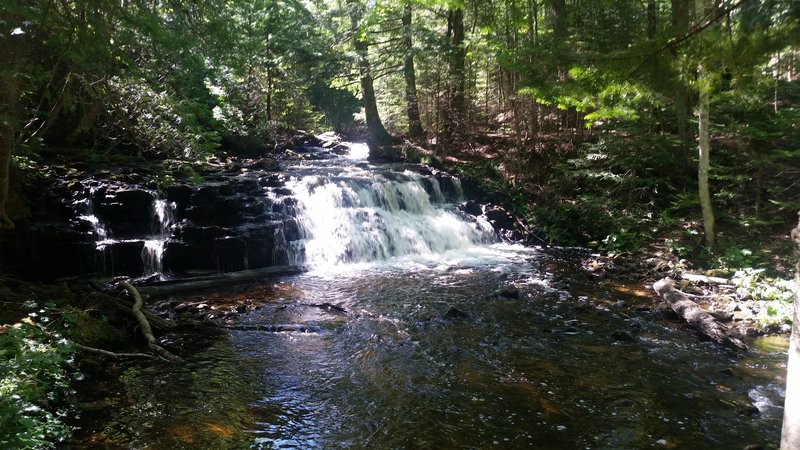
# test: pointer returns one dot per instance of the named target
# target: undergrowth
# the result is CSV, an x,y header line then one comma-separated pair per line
x,y
35,375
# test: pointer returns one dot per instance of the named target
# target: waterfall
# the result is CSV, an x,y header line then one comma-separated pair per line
x,y
366,216
87,213
153,250
100,232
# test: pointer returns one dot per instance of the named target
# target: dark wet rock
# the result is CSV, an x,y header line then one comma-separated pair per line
x,y
340,149
189,231
451,189
755,447
273,181
749,410
306,140
230,254
727,371
330,307
181,195
222,211
48,250
282,191
623,336
126,212
454,313
260,242
263,164
122,258
472,207
510,291
247,185
503,222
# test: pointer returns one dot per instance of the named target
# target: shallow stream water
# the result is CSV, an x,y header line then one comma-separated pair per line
x,y
420,349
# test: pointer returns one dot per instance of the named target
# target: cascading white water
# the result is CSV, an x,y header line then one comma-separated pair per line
x,y
100,232
153,250
360,216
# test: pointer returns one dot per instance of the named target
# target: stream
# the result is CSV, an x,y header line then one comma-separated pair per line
x,y
415,327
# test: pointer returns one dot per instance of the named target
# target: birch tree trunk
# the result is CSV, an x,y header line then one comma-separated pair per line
x,y
790,435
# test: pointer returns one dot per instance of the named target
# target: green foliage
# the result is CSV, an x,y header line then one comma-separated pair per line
x,y
775,295
156,122
34,383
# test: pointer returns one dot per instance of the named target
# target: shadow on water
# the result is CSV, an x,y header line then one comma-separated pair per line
x,y
388,368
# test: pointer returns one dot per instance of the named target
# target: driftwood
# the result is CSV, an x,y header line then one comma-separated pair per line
x,y
164,288
152,343
697,318
115,355
695,278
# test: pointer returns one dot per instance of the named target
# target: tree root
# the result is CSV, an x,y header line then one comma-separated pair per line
x,y
110,354
136,310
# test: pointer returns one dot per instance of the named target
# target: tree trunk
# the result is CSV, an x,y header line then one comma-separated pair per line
x,y
790,436
269,94
703,164
704,146
6,144
651,19
558,17
680,25
453,112
377,133
458,63
412,103
13,56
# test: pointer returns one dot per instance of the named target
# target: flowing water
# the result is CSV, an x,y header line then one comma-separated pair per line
x,y
400,337
153,251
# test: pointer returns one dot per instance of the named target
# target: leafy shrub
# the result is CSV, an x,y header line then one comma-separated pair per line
x,y
34,385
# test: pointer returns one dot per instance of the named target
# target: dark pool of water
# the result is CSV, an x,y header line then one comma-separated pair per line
x,y
564,366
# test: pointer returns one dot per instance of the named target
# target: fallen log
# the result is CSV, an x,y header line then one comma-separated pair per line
x,y
697,318
169,287
695,278
144,325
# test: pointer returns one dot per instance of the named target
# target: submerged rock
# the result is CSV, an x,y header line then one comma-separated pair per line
x,y
454,313
623,336
510,291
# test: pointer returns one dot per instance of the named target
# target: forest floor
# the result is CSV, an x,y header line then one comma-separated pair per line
x,y
636,208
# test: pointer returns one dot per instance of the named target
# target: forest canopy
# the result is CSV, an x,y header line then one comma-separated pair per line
x,y
188,79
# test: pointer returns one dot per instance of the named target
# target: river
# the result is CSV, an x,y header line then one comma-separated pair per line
x,y
416,328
